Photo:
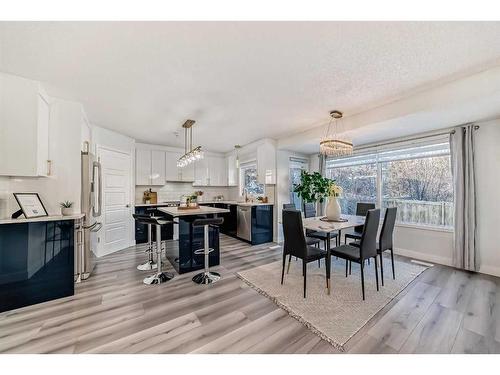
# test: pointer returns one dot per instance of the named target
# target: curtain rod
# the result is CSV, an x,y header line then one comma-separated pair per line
x,y
399,140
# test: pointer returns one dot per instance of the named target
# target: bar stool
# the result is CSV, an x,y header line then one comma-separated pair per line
x,y
159,277
206,277
150,264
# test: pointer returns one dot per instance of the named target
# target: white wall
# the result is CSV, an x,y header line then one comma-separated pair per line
x,y
65,130
488,195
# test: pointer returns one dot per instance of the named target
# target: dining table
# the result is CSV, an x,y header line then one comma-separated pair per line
x,y
321,224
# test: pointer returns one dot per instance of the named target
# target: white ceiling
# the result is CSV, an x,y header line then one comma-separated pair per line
x,y
241,81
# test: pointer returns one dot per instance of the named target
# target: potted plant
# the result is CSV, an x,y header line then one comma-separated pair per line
x,y
314,188
66,208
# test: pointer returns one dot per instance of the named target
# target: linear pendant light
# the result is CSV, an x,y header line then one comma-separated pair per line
x,y
190,154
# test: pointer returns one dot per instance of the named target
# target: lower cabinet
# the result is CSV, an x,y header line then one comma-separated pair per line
x,y
141,230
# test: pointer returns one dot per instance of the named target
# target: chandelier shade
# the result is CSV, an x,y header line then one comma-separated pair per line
x,y
332,144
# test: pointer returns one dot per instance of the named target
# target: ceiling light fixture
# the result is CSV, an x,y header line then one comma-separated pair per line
x,y
331,144
190,154
237,148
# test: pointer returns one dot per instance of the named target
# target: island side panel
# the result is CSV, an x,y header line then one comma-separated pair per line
x,y
182,255
36,262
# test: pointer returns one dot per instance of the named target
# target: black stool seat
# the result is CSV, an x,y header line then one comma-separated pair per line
x,y
153,220
208,221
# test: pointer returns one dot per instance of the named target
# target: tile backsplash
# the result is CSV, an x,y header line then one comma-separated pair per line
x,y
174,190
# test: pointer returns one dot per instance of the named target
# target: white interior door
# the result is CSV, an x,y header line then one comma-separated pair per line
x,y
116,214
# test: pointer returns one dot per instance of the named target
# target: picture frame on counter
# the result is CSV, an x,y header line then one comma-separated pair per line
x,y
31,205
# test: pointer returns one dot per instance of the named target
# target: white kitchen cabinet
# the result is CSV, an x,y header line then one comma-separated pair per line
x,y
211,171
232,171
24,128
217,174
150,167
201,174
266,163
157,167
142,167
174,173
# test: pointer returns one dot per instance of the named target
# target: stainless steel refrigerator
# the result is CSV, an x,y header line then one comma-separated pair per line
x,y
91,203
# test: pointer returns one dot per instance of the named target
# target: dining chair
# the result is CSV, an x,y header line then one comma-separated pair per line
x,y
361,210
310,211
309,240
385,240
295,244
367,247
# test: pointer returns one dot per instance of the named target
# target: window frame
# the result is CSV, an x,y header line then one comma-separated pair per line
x,y
376,157
243,166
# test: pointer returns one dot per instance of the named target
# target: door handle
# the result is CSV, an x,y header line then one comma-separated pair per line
x,y
127,205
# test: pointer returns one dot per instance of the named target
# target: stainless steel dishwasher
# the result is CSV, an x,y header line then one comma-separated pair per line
x,y
244,220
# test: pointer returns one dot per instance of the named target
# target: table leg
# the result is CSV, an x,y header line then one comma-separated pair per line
x,y
328,262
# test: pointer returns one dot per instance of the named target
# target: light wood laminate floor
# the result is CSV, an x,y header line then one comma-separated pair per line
x,y
443,311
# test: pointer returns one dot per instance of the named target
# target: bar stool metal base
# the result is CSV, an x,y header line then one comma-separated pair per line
x,y
158,278
206,278
147,266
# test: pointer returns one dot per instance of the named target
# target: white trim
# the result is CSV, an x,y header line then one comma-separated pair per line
x,y
425,227
490,270
422,256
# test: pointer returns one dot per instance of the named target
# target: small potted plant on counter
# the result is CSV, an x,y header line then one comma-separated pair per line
x,y
199,195
66,208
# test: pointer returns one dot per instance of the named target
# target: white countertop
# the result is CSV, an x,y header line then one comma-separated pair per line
x,y
41,219
175,212
152,204
239,203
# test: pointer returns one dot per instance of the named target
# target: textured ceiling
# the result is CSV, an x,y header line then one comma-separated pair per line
x,y
241,81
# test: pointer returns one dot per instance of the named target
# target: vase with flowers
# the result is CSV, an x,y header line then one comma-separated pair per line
x,y
333,207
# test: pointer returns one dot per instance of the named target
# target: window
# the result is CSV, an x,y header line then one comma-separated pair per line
x,y
249,182
415,179
296,166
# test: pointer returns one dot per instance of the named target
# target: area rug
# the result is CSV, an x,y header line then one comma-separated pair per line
x,y
338,316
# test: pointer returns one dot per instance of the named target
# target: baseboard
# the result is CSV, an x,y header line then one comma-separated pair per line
x,y
490,270
424,257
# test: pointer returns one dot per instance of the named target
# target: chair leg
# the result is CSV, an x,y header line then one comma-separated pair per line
x,y
319,263
346,265
289,261
376,271
304,271
392,260
382,268
362,279
368,261
283,269
350,267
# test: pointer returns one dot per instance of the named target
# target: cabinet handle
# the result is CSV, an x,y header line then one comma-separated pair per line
x,y
49,167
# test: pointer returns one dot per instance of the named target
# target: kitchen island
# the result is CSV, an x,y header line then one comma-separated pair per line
x,y
37,259
180,251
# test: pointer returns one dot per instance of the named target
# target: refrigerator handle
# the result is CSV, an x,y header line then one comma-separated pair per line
x,y
97,188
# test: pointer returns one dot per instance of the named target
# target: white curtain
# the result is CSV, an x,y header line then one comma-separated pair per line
x,y
322,170
465,252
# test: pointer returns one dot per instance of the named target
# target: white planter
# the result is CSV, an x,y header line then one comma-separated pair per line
x,y
66,211
333,209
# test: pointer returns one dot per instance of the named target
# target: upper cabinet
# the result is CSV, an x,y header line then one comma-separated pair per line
x,y
176,174
24,128
232,171
158,167
149,167
266,163
210,171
